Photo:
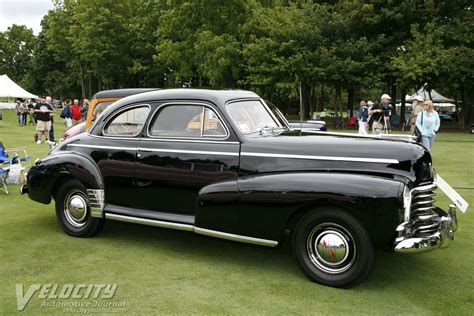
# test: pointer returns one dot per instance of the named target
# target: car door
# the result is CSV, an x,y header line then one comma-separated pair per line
x,y
186,148
115,151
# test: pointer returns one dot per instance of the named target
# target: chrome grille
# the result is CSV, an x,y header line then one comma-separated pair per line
x,y
425,226
423,219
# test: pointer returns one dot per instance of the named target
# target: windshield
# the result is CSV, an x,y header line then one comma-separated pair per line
x,y
252,116
277,113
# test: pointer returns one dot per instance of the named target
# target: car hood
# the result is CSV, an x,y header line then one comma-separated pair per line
x,y
291,151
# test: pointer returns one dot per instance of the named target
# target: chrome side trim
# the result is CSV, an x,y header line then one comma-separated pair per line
x,y
155,139
112,137
190,228
402,137
182,151
179,151
150,222
332,158
102,147
96,200
233,237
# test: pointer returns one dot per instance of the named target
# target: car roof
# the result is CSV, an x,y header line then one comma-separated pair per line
x,y
218,97
121,93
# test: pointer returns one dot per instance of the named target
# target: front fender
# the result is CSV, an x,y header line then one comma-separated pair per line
x,y
217,207
270,202
44,177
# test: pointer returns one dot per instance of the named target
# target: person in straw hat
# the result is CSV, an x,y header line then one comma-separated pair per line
x,y
417,107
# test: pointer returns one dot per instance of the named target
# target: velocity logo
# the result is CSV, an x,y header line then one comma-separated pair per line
x,y
65,291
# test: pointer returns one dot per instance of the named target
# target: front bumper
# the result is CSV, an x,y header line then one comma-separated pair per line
x,y
425,226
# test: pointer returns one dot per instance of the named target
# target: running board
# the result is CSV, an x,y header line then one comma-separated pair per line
x,y
149,222
191,228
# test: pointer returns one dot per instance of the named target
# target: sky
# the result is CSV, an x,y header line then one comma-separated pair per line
x,y
23,12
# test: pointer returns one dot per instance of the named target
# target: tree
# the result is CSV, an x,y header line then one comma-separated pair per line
x,y
285,49
143,38
16,52
198,42
100,38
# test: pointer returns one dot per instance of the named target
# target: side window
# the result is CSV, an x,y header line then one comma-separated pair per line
x,y
212,126
187,121
99,108
128,123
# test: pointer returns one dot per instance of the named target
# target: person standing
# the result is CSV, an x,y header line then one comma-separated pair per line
x,y
43,110
380,115
85,108
20,109
76,113
416,107
428,124
24,112
31,108
66,115
363,114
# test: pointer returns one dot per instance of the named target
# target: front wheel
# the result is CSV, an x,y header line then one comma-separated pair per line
x,y
73,210
333,248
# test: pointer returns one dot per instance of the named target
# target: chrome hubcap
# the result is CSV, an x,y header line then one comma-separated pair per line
x,y
331,248
75,208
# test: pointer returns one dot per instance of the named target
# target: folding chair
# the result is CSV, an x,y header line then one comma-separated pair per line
x,y
21,154
3,179
14,155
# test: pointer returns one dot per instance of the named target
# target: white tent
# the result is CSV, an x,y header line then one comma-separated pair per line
x,y
436,97
443,107
9,89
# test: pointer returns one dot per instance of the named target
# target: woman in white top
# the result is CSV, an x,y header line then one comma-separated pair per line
x,y
427,123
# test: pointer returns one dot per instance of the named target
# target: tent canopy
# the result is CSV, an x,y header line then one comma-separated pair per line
x,y
436,97
9,89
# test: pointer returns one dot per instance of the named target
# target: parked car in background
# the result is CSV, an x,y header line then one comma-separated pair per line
x,y
99,102
307,126
445,117
225,164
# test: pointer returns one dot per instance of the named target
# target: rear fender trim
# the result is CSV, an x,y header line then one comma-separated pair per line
x,y
96,200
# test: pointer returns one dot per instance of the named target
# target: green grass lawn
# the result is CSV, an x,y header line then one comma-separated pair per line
x,y
160,271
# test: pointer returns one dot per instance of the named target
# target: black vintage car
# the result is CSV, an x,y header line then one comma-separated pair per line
x,y
225,164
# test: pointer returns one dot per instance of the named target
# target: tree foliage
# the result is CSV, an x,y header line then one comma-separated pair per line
x,y
16,52
325,51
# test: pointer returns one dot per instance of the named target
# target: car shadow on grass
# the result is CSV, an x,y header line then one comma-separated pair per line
x,y
190,246
392,269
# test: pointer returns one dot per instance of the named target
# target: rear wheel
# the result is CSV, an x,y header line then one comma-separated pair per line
x,y
333,248
73,210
